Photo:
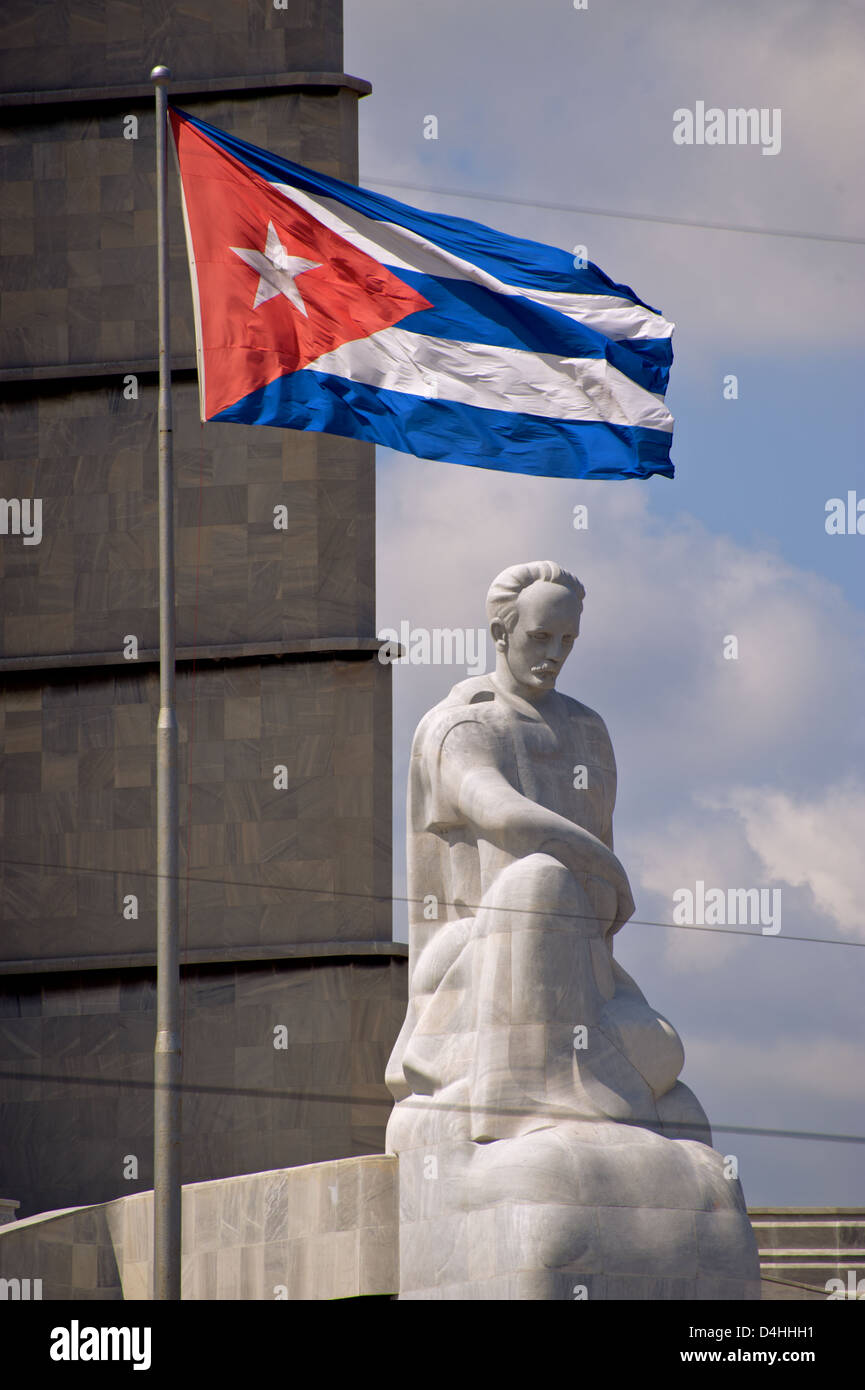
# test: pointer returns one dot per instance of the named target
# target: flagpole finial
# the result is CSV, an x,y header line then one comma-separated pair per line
x,y
160,74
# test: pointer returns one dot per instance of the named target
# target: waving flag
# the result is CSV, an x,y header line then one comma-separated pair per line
x,y
322,306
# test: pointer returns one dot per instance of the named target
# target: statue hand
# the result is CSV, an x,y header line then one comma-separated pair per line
x,y
618,880
583,853
625,907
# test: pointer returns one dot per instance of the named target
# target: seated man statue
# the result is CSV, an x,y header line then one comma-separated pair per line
x,y
545,1143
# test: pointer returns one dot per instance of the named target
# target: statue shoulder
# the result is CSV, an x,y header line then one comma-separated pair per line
x,y
588,717
475,690
468,701
578,710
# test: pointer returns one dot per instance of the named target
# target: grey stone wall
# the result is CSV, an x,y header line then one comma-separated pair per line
x,y
90,456
304,862
81,44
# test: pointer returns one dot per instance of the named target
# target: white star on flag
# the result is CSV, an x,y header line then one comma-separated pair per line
x,y
277,269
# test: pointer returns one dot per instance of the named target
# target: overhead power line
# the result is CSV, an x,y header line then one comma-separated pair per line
x,y
419,1102
327,893
617,213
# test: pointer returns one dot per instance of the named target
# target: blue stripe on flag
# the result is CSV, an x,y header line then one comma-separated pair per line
x,y
470,313
454,433
515,260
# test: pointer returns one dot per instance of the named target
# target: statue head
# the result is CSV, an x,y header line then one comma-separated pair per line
x,y
534,612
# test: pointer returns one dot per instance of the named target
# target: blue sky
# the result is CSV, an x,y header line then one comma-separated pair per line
x,y
746,773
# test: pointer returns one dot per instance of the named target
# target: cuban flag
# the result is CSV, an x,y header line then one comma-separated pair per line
x,y
322,306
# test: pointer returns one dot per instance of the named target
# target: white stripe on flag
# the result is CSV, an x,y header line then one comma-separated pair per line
x,y
402,249
496,378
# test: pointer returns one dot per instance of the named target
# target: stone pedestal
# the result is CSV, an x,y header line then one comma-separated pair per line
x,y
572,1213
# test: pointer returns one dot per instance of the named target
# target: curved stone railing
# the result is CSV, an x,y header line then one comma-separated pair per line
x,y
324,1231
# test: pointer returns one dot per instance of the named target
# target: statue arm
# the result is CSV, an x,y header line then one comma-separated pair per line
x,y
610,759
485,799
501,814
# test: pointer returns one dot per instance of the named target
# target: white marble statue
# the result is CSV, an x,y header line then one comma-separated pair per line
x,y
546,1147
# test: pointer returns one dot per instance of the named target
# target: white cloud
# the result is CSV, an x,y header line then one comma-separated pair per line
x,y
815,843
827,1067
675,853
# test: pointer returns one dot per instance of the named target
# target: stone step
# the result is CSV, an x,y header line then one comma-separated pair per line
x,y
840,1233
810,1257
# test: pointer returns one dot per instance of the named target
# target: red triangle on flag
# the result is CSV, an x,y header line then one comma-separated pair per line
x,y
276,288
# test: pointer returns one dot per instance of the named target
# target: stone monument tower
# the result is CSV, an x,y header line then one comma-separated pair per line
x,y
284,711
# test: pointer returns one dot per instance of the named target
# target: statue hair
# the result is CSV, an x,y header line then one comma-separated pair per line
x,y
506,587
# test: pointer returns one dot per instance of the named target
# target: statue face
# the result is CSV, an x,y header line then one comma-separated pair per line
x,y
547,627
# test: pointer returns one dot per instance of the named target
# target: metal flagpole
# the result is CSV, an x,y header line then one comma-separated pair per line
x,y
166,1060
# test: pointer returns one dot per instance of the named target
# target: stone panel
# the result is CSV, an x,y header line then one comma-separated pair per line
x,y
76,1053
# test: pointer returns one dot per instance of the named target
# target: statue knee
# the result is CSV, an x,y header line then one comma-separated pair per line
x,y
538,883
